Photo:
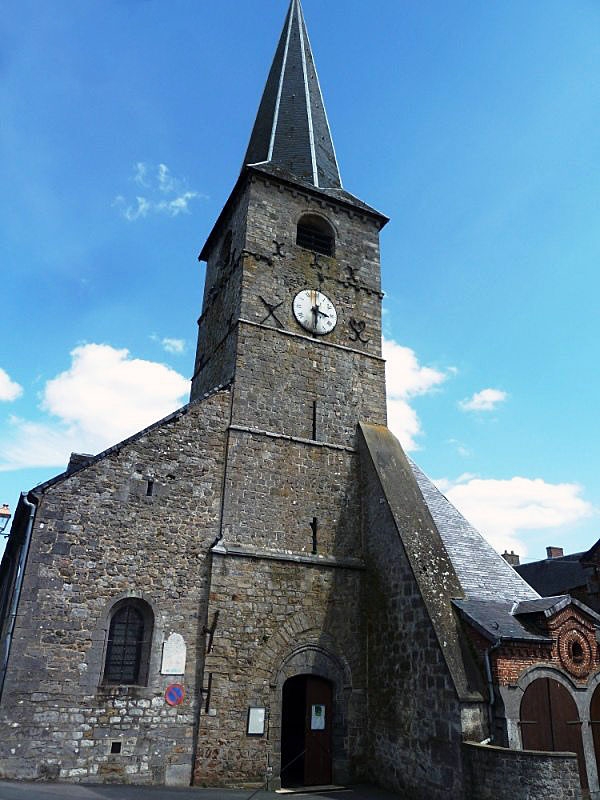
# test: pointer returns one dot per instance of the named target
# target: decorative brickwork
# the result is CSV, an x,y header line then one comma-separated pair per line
x,y
568,626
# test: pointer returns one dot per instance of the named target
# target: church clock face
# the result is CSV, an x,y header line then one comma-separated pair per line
x,y
315,311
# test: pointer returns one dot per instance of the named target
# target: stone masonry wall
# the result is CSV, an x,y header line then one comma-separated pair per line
x,y
279,377
496,773
215,350
414,714
274,488
98,538
277,618
350,278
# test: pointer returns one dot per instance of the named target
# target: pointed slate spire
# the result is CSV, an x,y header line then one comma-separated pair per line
x,y
291,129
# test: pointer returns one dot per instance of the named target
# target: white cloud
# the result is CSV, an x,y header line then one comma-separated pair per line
x,y
406,378
140,171
176,346
166,182
9,389
164,193
485,400
461,448
104,397
503,509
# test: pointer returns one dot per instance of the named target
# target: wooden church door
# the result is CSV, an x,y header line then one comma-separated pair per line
x,y
306,724
550,721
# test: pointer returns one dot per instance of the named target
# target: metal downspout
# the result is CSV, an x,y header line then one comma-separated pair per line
x,y
490,682
16,594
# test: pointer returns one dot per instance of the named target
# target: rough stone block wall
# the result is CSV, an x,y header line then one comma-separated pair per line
x,y
99,538
215,350
279,378
496,773
414,713
277,618
350,278
274,488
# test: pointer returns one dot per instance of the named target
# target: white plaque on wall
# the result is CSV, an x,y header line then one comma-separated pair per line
x,y
256,721
173,656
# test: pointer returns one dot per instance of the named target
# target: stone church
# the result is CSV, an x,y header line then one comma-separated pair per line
x,y
262,587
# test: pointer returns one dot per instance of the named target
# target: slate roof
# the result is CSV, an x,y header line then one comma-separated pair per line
x,y
553,576
494,620
552,605
523,621
541,605
291,128
482,572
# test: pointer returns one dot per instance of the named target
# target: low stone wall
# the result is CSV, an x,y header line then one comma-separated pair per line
x,y
496,773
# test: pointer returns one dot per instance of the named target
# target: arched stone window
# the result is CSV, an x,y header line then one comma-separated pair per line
x,y
314,233
129,642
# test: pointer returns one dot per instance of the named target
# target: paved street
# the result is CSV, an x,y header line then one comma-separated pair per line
x,y
13,790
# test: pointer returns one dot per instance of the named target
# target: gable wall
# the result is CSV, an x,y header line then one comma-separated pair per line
x,y
98,538
510,661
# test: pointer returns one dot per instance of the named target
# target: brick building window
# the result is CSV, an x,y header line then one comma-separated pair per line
x,y
129,641
314,233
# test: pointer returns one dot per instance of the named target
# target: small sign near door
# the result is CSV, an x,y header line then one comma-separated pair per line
x,y
317,718
256,721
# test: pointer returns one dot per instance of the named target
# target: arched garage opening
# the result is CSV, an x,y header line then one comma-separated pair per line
x,y
550,721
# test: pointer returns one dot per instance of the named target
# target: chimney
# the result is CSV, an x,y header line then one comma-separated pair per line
x,y
512,558
554,552
78,460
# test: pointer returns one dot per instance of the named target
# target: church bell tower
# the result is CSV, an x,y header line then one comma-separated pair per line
x,y
292,301
291,321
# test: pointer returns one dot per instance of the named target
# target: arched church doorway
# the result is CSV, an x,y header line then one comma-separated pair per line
x,y
550,721
306,723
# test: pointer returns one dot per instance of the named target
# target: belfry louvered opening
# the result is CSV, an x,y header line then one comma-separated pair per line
x,y
129,641
314,233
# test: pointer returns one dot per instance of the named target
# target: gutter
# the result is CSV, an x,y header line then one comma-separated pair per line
x,y
16,593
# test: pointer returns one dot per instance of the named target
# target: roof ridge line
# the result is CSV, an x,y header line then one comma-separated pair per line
x,y
335,158
280,87
311,132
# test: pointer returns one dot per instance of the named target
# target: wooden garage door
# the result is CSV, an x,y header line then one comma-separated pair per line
x,y
549,721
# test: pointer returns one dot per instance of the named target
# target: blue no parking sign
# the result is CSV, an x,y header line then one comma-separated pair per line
x,y
175,694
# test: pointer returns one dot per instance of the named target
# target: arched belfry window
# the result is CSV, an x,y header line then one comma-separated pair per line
x,y
129,642
315,233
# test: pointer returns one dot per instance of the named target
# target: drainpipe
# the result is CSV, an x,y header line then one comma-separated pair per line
x,y
490,682
16,593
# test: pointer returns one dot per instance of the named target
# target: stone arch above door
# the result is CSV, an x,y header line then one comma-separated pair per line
x,y
311,656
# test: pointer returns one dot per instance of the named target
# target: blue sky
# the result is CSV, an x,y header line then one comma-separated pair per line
x,y
473,125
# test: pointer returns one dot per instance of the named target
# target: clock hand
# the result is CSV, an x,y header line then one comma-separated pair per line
x,y
315,312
